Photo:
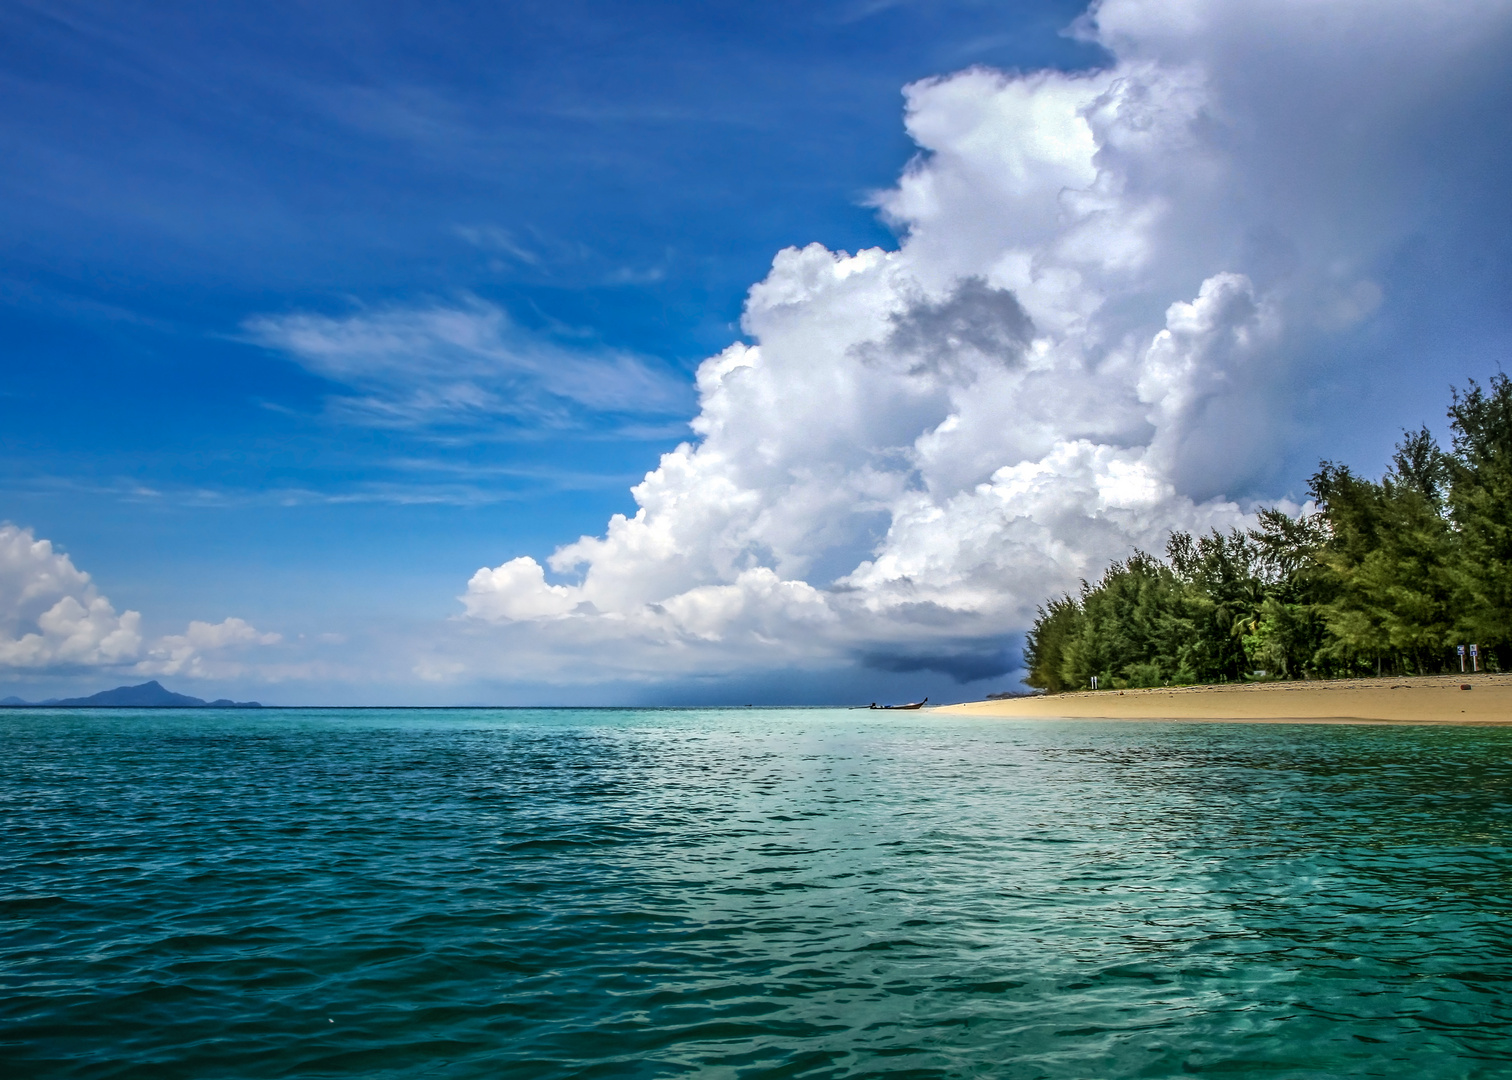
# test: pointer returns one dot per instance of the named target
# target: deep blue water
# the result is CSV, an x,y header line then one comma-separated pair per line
x,y
748,893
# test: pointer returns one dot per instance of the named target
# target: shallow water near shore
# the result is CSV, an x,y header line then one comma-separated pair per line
x,y
748,893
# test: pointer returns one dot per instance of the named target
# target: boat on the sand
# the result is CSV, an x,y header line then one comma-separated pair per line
x,y
912,705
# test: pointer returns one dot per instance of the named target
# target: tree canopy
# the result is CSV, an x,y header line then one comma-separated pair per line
x,y
1377,576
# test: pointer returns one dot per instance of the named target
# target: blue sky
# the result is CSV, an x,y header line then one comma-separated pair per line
x,y
309,312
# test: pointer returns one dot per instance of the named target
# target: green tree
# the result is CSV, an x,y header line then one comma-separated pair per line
x,y
1058,621
1393,555
1388,573
1480,505
1288,634
1224,594
1132,627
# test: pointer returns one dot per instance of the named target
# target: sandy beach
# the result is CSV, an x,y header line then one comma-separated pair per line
x,y
1420,700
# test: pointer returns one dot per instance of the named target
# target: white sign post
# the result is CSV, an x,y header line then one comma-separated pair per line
x,y
1462,659
1475,657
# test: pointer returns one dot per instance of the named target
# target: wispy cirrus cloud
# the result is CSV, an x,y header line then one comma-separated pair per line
x,y
492,238
466,365
400,481
558,258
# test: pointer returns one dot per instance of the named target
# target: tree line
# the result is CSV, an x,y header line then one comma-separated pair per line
x,y
1383,577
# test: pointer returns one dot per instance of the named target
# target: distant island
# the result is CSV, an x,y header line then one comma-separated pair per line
x,y
148,695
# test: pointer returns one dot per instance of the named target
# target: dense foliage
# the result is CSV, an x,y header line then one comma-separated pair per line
x,y
1382,576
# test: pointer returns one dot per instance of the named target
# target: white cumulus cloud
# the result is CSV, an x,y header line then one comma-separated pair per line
x,y
51,614
1109,286
54,619
205,650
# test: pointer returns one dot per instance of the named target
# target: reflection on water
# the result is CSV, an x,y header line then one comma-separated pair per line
x,y
749,893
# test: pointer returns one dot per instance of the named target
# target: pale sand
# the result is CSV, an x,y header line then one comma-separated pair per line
x,y
1424,700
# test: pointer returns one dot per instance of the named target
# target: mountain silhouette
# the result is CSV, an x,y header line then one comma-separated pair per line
x,y
148,695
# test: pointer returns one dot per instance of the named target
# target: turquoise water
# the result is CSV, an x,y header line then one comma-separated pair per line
x,y
748,893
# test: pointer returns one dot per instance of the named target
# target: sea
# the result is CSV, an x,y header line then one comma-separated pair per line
x,y
748,893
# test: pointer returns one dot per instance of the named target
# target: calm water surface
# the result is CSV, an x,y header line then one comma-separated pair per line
x,y
748,893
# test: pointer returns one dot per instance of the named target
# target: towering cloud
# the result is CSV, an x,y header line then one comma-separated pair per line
x,y
1109,285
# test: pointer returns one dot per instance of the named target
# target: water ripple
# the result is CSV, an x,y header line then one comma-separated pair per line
x,y
748,893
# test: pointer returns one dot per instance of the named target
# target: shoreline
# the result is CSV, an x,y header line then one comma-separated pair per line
x,y
1417,699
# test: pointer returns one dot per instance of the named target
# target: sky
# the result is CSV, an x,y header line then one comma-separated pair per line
x,y
647,353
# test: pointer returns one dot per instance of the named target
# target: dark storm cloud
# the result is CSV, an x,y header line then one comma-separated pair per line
x,y
969,662
975,318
